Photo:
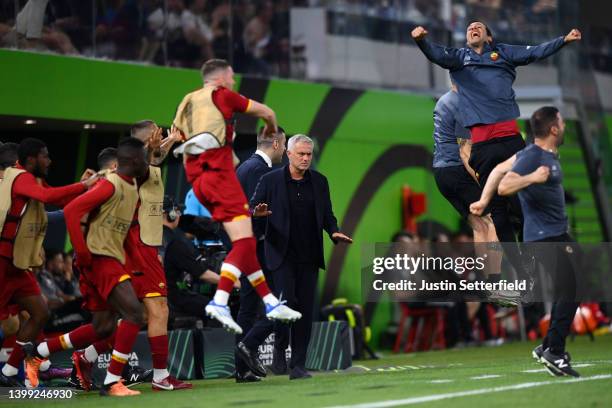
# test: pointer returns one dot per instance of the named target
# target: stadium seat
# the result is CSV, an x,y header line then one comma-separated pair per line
x,y
430,320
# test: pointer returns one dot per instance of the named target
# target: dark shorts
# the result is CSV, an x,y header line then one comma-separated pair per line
x,y
152,281
505,211
486,155
15,284
458,187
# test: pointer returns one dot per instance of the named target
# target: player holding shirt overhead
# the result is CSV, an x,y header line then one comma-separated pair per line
x,y
206,119
100,256
23,224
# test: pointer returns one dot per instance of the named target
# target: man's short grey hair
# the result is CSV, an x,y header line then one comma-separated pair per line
x,y
297,139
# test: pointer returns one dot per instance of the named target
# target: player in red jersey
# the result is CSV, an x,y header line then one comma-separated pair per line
x,y
23,223
206,118
100,256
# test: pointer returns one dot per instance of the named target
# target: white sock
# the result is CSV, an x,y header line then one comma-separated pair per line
x,y
9,370
111,378
159,374
221,297
120,357
45,365
91,354
270,299
43,349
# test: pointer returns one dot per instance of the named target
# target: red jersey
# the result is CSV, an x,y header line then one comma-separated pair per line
x,y
25,188
229,102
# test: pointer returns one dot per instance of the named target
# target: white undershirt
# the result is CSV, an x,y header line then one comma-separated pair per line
x,y
266,158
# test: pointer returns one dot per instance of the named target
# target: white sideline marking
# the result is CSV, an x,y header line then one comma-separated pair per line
x,y
484,377
438,397
441,381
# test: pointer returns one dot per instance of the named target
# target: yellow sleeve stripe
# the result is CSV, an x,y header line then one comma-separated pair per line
x,y
248,106
124,277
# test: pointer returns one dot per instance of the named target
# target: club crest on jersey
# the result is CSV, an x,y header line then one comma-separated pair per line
x,y
494,56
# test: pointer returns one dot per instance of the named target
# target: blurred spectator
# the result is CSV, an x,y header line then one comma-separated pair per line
x,y
168,28
258,39
196,30
66,312
29,22
46,277
68,282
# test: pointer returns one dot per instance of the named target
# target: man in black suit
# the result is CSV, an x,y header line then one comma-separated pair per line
x,y
298,208
270,151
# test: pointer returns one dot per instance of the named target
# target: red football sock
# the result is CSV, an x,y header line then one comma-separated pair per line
x,y
124,341
17,355
244,257
159,351
104,345
80,337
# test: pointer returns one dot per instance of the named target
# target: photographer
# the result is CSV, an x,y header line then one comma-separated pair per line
x,y
185,266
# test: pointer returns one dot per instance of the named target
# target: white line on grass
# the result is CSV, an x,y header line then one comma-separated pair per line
x,y
484,377
438,397
441,381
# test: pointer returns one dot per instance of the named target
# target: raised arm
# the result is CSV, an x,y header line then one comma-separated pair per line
x,y
446,57
26,185
523,55
265,113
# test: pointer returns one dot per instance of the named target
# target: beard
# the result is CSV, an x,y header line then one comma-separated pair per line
x,y
38,171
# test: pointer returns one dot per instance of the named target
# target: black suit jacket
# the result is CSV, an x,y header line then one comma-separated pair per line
x,y
249,173
272,190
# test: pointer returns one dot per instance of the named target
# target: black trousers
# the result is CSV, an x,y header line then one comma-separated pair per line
x,y
561,261
505,211
252,315
297,283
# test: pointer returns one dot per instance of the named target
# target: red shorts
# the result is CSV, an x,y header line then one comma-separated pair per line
x,y
15,284
97,282
213,178
151,282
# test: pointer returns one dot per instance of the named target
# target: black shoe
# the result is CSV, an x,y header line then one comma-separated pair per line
x,y
299,373
537,353
251,360
279,362
247,377
136,375
10,381
558,365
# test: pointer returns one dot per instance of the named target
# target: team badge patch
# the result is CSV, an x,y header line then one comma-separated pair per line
x,y
494,56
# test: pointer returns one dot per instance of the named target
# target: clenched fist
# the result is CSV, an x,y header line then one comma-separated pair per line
x,y
419,33
573,35
540,175
478,207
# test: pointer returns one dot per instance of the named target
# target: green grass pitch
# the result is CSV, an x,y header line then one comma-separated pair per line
x,y
504,376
